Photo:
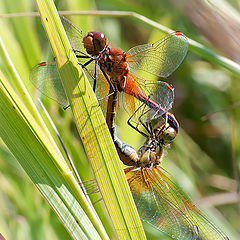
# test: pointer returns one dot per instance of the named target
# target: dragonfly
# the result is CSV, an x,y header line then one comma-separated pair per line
x,y
129,72
159,199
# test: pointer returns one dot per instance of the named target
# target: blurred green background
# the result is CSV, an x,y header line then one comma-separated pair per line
x,y
204,158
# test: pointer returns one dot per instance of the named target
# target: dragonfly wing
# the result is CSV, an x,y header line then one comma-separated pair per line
x,y
45,77
206,229
160,92
154,206
102,91
160,58
129,103
75,35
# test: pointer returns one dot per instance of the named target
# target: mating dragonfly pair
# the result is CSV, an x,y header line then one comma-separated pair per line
x,y
159,200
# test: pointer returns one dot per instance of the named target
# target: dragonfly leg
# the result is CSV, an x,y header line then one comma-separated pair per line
x,y
65,108
112,87
171,120
169,117
149,127
84,55
166,122
95,76
139,121
79,56
110,94
136,128
84,66
107,78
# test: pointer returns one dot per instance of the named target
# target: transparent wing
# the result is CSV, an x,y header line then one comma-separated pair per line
x,y
155,206
160,58
161,183
75,35
45,77
158,92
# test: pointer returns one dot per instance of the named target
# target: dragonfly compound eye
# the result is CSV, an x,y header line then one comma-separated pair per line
x,y
168,135
94,42
99,41
88,43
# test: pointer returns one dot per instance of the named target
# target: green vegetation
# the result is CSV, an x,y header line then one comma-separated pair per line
x,y
204,158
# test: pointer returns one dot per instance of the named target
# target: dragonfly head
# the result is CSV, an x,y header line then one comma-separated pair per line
x,y
94,42
168,135
164,134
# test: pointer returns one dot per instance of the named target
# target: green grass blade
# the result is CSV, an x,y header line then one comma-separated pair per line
x,y
93,130
43,163
29,45
31,107
19,85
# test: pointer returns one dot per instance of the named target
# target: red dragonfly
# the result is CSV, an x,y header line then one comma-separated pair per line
x,y
122,70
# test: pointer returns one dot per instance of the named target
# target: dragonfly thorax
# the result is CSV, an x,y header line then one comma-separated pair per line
x,y
113,62
150,154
